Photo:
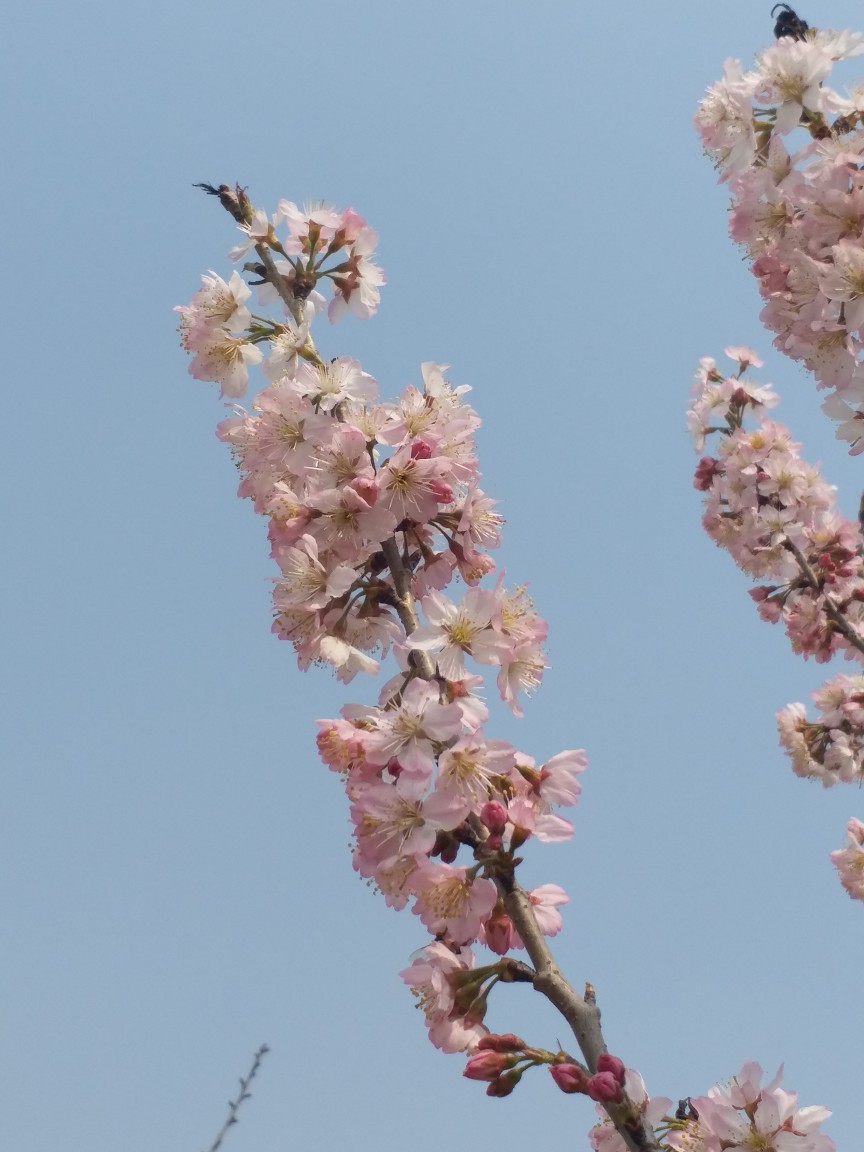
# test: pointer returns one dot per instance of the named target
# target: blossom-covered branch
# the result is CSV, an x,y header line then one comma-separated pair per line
x,y
791,149
374,508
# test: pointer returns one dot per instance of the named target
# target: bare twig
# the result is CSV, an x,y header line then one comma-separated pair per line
x,y
243,1094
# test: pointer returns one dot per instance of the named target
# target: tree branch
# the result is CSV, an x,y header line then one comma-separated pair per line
x,y
243,1094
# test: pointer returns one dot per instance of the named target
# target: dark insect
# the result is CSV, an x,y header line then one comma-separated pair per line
x,y
234,201
685,1110
789,23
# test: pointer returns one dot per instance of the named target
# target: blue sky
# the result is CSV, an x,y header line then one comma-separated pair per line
x,y
176,881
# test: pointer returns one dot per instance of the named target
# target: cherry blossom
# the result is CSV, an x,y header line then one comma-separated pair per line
x,y
849,861
374,507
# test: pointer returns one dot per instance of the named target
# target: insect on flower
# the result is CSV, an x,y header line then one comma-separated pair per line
x,y
789,23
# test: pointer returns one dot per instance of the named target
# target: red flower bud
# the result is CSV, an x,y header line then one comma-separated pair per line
x,y
569,1077
487,1065
499,930
706,470
500,1042
604,1088
494,816
607,1063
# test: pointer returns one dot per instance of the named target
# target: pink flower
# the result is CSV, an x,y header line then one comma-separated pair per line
x,y
351,521
849,861
743,1115
455,630
358,281
222,357
545,900
409,731
449,901
332,384
306,581
558,782
413,488
257,231
390,823
522,668
433,978
218,304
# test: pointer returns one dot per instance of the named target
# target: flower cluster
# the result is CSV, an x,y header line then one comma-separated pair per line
x,y
777,517
373,509
338,474
218,328
798,205
830,749
424,784
743,1114
738,1115
849,861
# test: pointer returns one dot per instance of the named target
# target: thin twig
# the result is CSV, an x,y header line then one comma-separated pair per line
x,y
243,1094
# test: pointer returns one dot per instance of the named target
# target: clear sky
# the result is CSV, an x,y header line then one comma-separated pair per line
x,y
176,883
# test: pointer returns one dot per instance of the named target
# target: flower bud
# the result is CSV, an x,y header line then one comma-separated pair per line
x,y
488,1065
604,1088
505,1083
608,1063
706,470
500,1042
569,1077
494,816
499,931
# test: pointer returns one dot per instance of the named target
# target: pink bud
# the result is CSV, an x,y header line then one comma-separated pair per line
x,y
607,1063
604,1088
487,1065
569,1077
494,816
706,470
450,851
500,1042
499,931
420,450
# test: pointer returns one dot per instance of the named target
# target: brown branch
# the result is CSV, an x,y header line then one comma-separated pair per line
x,y
294,306
243,1094
405,605
582,1014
